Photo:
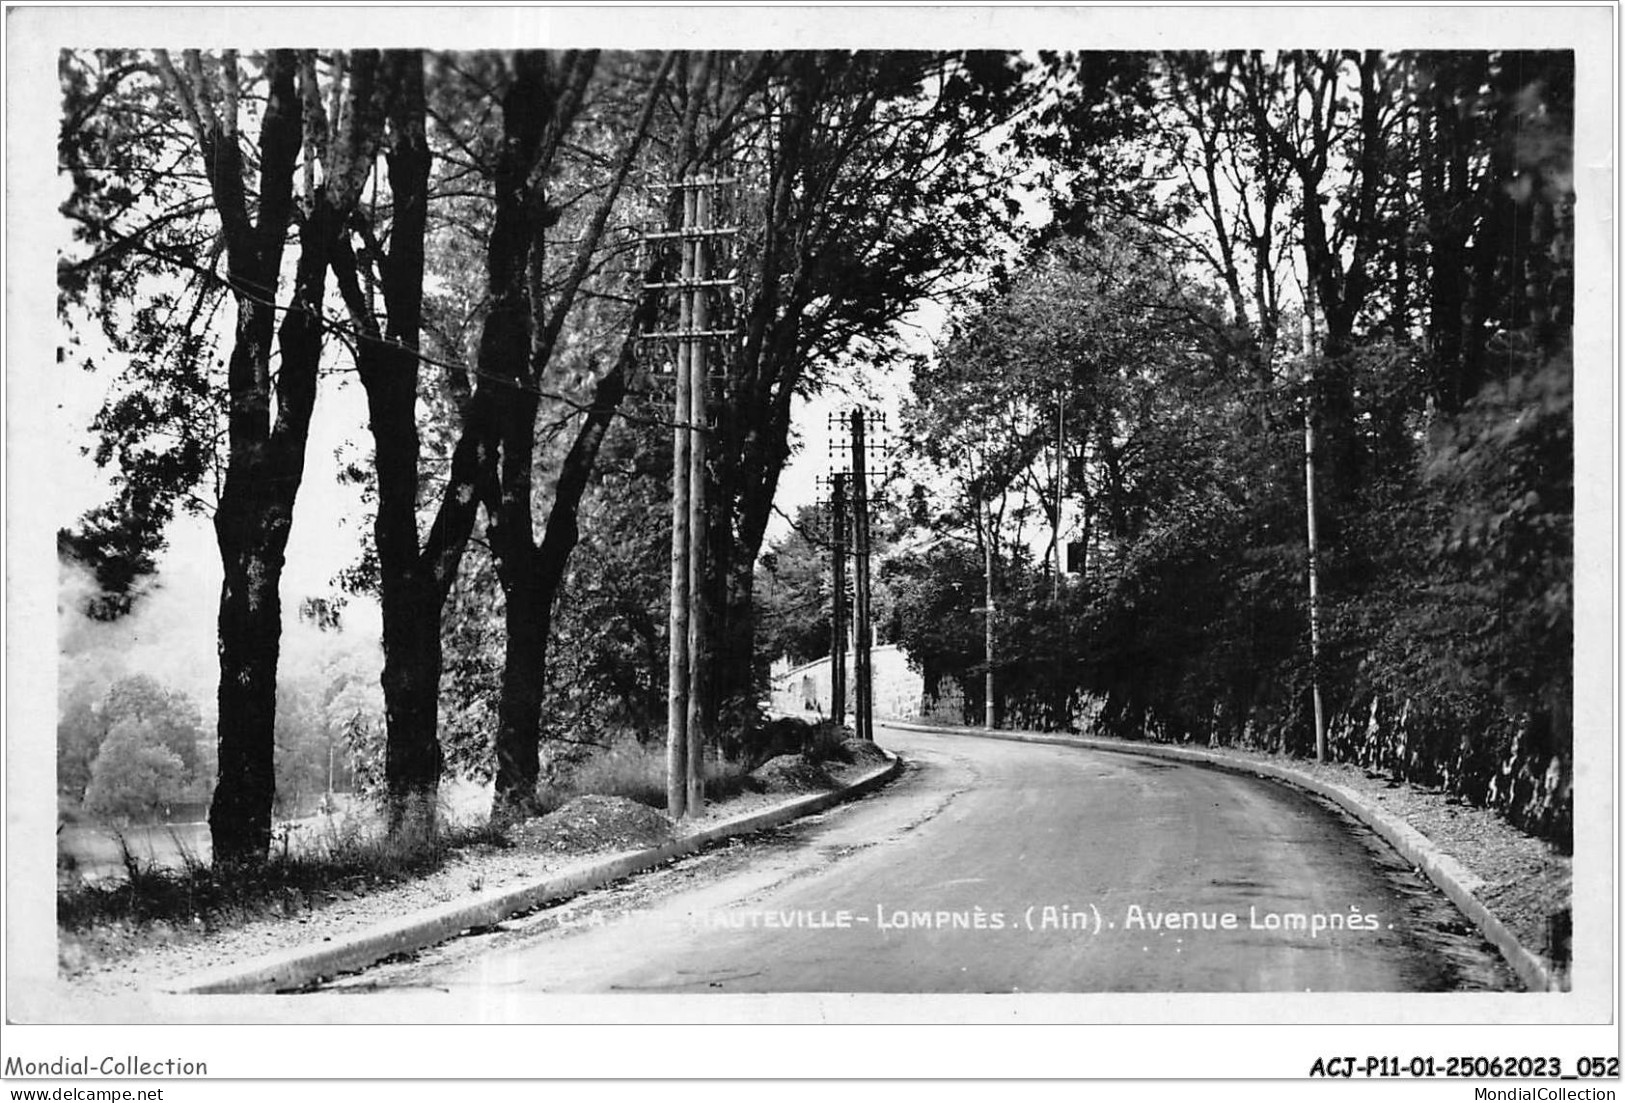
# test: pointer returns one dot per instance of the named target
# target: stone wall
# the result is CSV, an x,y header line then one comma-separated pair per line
x,y
805,690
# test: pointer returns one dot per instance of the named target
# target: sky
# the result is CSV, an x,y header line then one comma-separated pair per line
x,y
883,392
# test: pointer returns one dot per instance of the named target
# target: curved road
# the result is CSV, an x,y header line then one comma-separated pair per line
x,y
997,867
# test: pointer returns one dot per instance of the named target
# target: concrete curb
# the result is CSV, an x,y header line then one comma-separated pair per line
x,y
1452,878
298,967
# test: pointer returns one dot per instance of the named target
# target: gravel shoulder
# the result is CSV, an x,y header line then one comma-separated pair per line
x,y
1527,882
120,961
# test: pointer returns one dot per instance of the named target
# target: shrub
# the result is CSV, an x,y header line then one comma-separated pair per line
x,y
134,775
636,771
348,853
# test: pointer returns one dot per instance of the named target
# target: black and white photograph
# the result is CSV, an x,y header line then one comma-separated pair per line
x,y
899,516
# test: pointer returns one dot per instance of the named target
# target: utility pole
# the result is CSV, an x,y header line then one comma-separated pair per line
x,y
677,636
852,430
987,570
864,706
688,668
1309,507
987,526
837,629
1060,487
1063,714
699,659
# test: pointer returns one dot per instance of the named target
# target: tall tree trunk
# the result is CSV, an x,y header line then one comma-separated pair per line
x,y
416,581
525,612
532,577
240,812
267,458
532,574
538,112
250,626
528,620
264,461
410,596
252,529
410,593
413,582
1447,196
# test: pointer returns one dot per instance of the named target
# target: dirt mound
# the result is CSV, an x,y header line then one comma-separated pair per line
x,y
768,739
862,752
596,823
790,773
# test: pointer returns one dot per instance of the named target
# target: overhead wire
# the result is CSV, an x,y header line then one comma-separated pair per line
x,y
344,332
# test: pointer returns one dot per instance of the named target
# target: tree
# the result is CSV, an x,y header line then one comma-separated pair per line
x,y
794,579
79,735
523,331
171,717
412,581
545,106
166,719
1424,198
139,225
265,463
608,656
134,775
874,178
249,184
1491,156
937,588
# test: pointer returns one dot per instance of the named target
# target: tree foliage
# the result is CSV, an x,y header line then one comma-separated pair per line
x,y
134,776
795,582
154,716
1374,247
1410,215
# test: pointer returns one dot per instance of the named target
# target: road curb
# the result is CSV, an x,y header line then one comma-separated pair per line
x,y
1452,878
288,969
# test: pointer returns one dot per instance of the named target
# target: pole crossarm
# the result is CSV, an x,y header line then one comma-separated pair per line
x,y
691,235
850,435
688,674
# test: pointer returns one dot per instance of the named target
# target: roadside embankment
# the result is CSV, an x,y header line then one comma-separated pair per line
x,y
477,890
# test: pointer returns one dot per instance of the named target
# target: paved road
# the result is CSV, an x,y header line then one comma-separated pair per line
x,y
998,867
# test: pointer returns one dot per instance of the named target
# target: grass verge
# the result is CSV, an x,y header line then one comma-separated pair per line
x,y
338,860
343,859
637,772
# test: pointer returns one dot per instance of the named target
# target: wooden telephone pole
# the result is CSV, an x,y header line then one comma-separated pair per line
x,y
689,666
852,431
988,530
987,576
1309,509
677,766
699,419
864,706
837,625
